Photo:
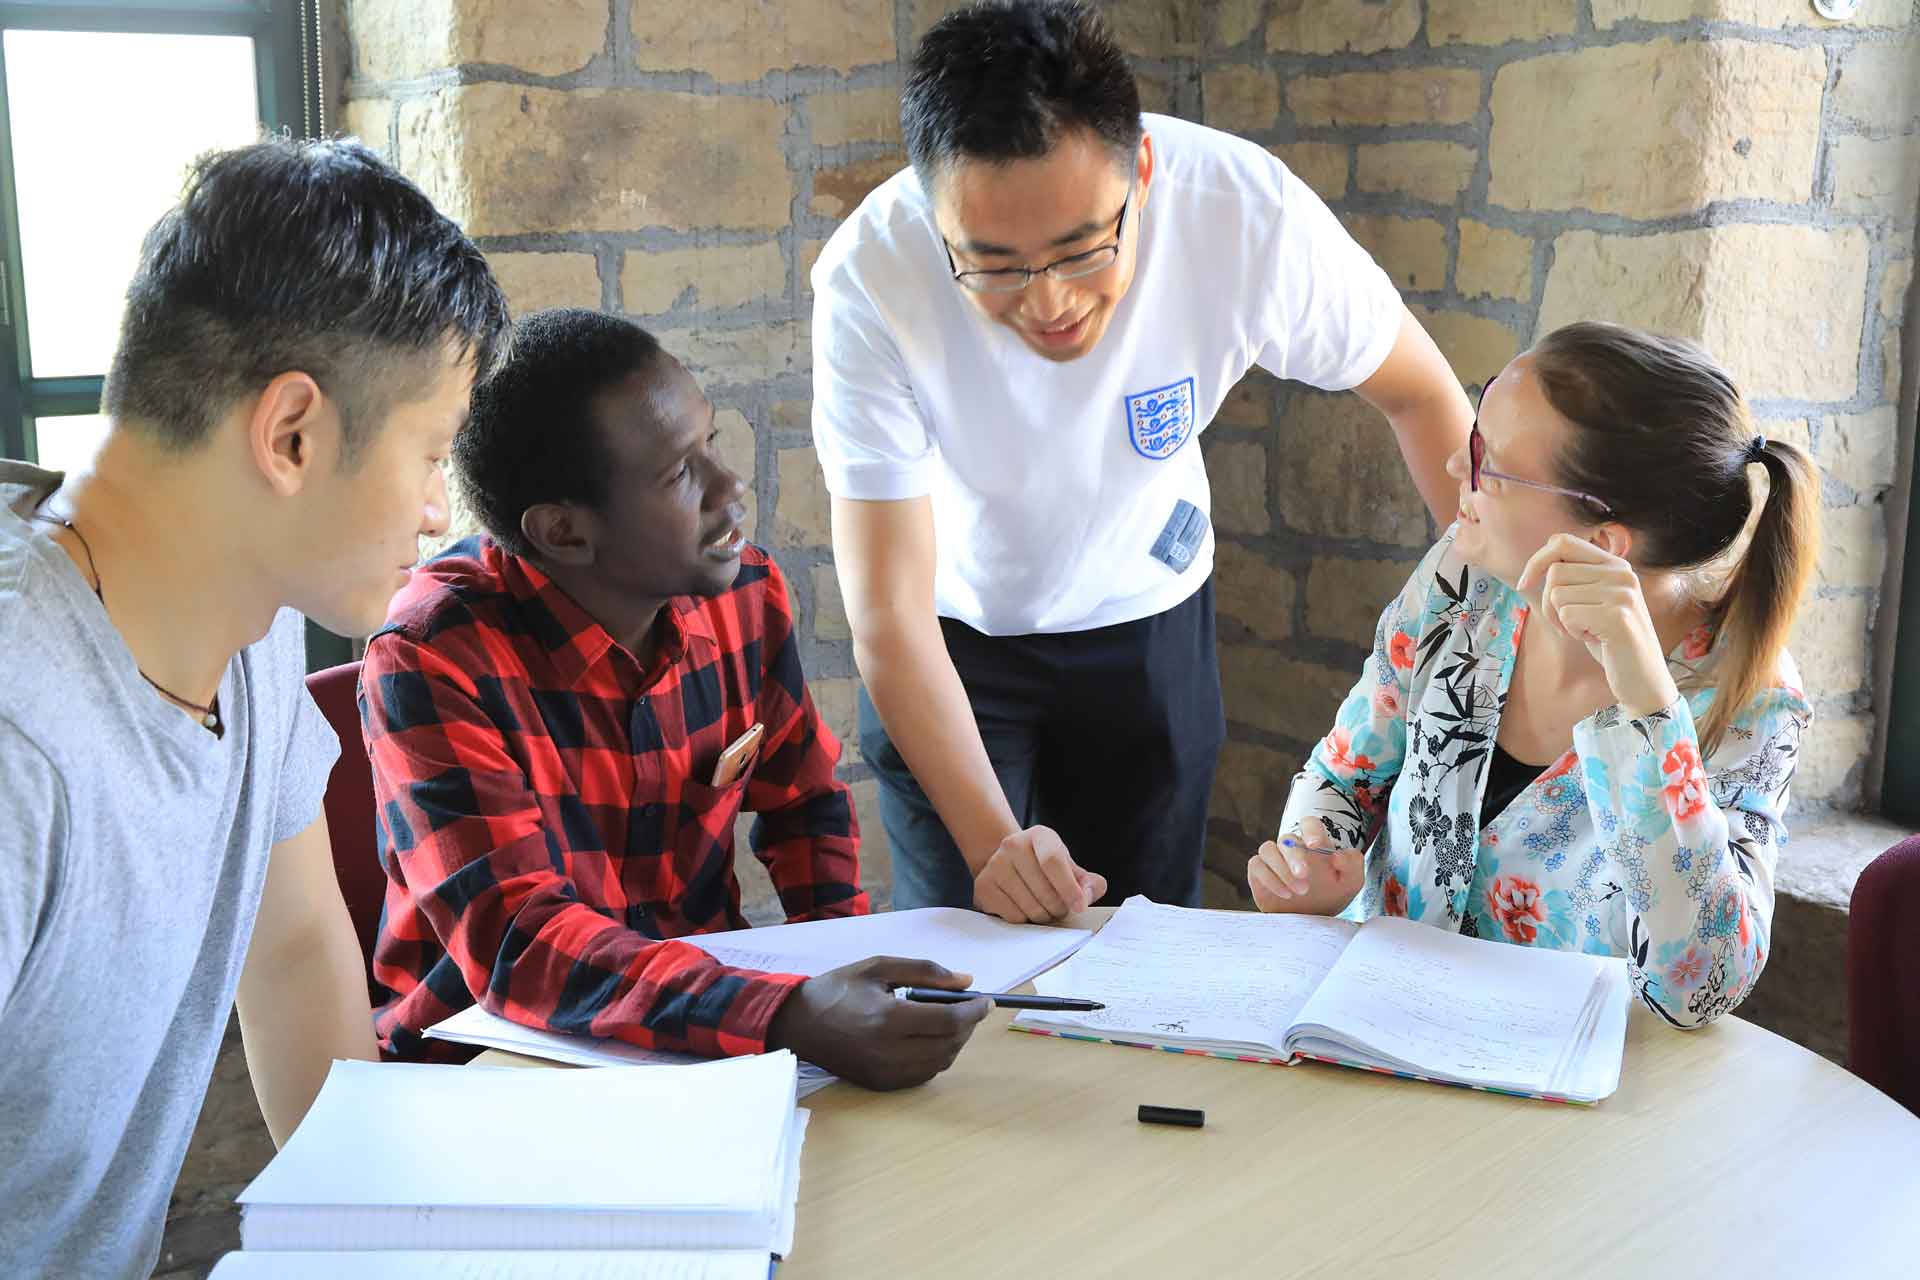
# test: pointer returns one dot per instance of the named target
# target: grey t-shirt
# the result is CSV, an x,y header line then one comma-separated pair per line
x,y
133,849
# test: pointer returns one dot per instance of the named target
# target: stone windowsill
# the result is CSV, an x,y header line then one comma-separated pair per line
x,y
1825,856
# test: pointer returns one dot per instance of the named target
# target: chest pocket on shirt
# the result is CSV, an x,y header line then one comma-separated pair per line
x,y
705,814
678,819
700,829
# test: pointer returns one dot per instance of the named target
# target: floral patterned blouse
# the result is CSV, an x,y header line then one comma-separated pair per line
x,y
1628,845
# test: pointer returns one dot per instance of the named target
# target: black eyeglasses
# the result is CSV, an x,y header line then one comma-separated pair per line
x,y
1477,455
1071,267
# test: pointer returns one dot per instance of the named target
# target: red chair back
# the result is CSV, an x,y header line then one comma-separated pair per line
x,y
350,824
1883,974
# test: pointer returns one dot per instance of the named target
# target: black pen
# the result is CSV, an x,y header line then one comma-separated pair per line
x,y
1006,1000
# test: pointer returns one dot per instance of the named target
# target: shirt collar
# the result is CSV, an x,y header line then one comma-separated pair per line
x,y
693,618
575,643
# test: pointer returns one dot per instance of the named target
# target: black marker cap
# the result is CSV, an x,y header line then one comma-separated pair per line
x,y
1183,1116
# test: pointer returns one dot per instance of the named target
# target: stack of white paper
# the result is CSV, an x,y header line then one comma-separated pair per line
x,y
399,1157
508,1264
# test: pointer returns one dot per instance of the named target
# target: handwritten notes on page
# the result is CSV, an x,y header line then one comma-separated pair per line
x,y
1227,981
1389,994
1424,1000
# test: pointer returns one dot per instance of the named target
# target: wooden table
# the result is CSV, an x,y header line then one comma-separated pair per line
x,y
1726,1151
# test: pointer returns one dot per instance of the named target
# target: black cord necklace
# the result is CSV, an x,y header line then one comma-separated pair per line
x,y
210,713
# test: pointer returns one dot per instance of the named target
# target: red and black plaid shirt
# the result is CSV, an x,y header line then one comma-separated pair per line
x,y
544,818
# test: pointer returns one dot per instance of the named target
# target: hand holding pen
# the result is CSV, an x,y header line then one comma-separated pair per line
x,y
1001,999
1308,871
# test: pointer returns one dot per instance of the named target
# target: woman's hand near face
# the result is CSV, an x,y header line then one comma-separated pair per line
x,y
1593,595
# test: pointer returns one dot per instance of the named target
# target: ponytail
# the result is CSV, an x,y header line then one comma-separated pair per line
x,y
1664,439
1764,590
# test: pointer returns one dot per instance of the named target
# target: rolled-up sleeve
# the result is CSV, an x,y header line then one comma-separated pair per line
x,y
871,436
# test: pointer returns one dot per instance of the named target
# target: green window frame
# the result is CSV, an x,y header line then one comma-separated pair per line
x,y
284,33
1900,782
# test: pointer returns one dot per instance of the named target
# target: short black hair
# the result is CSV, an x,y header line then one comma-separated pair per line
x,y
532,436
1002,80
285,255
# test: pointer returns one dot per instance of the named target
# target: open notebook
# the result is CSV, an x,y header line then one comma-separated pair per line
x,y
1388,995
999,956
701,1159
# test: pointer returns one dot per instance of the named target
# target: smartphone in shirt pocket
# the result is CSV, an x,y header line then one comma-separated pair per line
x,y
735,762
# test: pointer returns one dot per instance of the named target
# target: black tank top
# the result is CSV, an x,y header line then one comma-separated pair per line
x,y
1506,779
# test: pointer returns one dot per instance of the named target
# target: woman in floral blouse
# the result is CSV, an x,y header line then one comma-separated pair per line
x,y
1579,722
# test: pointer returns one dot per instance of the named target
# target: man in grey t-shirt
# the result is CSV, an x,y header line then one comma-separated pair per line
x,y
298,348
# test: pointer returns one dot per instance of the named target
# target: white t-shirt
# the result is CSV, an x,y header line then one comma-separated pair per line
x,y
1054,485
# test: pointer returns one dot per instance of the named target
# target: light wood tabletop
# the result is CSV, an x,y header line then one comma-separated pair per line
x,y
1726,1151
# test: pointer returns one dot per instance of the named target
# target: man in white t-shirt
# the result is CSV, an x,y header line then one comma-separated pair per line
x,y
1015,343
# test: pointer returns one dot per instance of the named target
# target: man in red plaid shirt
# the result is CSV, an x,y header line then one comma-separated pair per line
x,y
546,712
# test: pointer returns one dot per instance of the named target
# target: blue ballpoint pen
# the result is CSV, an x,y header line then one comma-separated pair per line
x,y
1296,842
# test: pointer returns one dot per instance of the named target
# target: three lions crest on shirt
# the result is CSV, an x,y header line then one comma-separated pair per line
x,y
1159,421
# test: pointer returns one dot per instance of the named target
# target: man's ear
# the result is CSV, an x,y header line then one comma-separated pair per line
x,y
558,532
1143,163
293,429
1614,539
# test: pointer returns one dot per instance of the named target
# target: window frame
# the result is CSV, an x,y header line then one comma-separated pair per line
x,y
289,99
1899,783
276,28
